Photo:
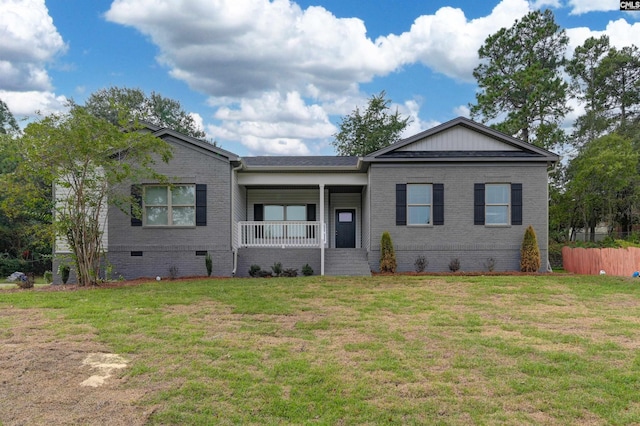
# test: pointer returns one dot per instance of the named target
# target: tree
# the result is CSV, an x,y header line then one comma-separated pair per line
x,y
387,254
529,252
8,123
117,104
23,223
520,80
374,129
86,158
603,180
621,84
587,81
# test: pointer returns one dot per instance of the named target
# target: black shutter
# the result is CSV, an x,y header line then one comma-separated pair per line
x,y
478,204
201,205
258,212
311,217
438,204
258,215
516,204
401,204
136,205
311,212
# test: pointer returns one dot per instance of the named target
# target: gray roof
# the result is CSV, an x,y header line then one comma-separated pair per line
x,y
460,154
527,150
303,161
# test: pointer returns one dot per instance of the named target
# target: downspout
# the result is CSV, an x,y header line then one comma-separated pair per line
x,y
234,249
549,171
323,237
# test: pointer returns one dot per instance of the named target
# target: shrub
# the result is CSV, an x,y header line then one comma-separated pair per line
x,y
307,270
454,265
254,271
25,281
48,277
277,269
173,272
529,253
490,264
63,271
208,262
289,272
263,274
10,265
387,254
421,264
555,255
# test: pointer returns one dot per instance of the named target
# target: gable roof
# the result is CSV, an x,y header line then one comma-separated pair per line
x,y
461,139
164,132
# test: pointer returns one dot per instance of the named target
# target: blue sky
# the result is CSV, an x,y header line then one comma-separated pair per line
x,y
271,77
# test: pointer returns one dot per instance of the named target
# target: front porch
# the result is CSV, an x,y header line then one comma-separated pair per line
x,y
280,234
297,213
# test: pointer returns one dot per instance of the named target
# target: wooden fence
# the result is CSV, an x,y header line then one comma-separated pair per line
x,y
590,261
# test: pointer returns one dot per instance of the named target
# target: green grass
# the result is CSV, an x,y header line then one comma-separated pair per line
x,y
393,349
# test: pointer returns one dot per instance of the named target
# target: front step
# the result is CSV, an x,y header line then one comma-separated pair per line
x,y
352,262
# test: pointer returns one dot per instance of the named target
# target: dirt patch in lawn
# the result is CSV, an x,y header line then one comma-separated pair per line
x,y
50,380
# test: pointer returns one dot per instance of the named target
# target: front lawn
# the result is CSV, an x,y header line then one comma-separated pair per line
x,y
387,349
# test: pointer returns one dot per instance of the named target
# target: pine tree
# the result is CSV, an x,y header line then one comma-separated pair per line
x,y
530,253
387,254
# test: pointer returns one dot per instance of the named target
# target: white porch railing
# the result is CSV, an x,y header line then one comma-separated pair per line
x,y
279,234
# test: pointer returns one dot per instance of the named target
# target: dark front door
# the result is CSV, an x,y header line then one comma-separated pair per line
x,y
346,228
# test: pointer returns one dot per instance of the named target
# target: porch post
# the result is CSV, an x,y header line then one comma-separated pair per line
x,y
321,230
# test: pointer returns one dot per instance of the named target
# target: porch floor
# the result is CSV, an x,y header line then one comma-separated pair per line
x,y
353,262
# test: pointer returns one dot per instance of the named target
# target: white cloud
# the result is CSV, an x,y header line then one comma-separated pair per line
x,y
621,33
584,6
462,111
276,72
245,47
29,42
543,4
27,103
273,124
448,42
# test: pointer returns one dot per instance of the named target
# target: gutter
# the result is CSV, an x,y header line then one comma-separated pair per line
x,y
233,203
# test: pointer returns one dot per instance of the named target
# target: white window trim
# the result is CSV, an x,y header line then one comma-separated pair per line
x,y
430,205
169,206
507,204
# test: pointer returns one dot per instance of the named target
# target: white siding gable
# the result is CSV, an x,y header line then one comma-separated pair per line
x,y
458,138
61,244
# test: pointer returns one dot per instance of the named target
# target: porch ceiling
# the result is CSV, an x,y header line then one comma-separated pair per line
x,y
301,179
332,188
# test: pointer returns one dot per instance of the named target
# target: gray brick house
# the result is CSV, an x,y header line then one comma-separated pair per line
x,y
459,190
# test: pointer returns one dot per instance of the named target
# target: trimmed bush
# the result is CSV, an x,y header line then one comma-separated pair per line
x,y
254,271
529,253
276,269
307,270
387,254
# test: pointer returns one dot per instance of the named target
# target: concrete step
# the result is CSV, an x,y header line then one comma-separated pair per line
x,y
352,262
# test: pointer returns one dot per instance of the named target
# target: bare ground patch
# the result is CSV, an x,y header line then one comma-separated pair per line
x,y
41,376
